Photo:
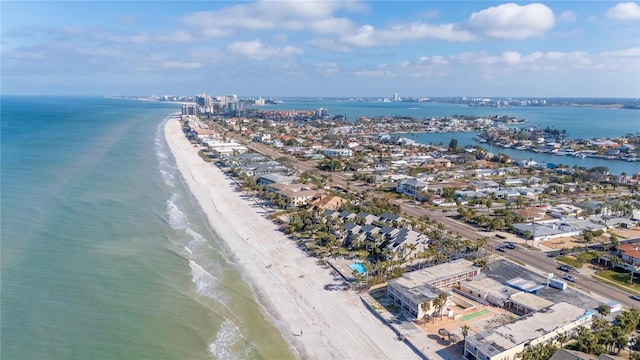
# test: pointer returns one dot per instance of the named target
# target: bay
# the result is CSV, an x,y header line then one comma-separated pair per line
x,y
579,122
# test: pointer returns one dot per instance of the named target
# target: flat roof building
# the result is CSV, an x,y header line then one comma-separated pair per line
x,y
413,288
507,340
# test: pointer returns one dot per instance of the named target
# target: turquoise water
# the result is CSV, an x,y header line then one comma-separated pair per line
x,y
103,254
358,267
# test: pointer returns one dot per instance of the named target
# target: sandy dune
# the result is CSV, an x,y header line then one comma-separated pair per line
x,y
335,324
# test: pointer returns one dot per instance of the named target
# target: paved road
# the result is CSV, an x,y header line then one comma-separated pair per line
x,y
534,259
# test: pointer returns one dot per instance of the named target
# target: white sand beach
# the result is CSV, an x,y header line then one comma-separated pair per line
x,y
288,284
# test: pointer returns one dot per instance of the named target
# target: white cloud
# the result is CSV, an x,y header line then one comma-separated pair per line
x,y
129,39
374,73
330,44
489,66
181,65
513,21
99,51
367,35
176,36
328,69
567,16
312,16
125,20
624,11
256,50
511,57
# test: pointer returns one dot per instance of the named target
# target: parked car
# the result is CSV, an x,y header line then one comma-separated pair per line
x,y
566,268
501,248
635,297
511,245
570,278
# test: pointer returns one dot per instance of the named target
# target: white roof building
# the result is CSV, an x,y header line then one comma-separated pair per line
x,y
507,340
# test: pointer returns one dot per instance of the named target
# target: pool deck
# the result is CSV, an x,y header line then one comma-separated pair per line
x,y
341,266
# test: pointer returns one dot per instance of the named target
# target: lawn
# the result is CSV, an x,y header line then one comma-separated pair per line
x,y
569,261
621,280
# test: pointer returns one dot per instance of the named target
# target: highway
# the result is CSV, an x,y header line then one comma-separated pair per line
x,y
534,260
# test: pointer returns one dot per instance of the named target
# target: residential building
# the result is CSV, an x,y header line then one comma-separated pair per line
x,y
630,255
412,187
331,153
294,194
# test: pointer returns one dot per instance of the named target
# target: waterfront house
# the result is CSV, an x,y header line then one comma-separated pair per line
x,y
294,194
328,202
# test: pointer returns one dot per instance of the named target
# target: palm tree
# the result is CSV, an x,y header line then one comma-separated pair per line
x,y
562,339
465,331
426,306
604,310
439,303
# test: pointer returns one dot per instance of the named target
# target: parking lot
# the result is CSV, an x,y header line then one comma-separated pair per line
x,y
504,270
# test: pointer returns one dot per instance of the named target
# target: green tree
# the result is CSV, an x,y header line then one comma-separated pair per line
x,y
453,146
426,306
604,310
439,303
465,331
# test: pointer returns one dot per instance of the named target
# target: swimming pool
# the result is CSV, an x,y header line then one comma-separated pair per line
x,y
357,267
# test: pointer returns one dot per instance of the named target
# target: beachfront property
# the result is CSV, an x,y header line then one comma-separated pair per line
x,y
328,202
412,289
507,340
273,178
294,194
224,148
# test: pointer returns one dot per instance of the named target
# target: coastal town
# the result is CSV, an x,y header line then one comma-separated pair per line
x,y
493,258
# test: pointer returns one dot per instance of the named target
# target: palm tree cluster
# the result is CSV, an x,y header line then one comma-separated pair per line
x,y
542,351
604,337
502,219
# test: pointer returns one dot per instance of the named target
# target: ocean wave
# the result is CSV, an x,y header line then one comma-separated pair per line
x,y
206,282
168,178
227,336
177,219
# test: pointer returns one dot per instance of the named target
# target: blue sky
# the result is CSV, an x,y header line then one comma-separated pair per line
x,y
322,48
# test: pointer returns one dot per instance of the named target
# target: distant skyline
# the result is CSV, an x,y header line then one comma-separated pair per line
x,y
322,48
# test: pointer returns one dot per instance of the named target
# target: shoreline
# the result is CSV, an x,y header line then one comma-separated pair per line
x,y
288,284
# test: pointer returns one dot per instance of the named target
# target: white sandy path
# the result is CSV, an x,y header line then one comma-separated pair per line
x,y
335,324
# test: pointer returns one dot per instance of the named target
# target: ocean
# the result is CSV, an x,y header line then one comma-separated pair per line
x,y
104,255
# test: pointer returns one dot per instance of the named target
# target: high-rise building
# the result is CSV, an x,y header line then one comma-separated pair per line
x,y
204,103
396,97
322,112
190,110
